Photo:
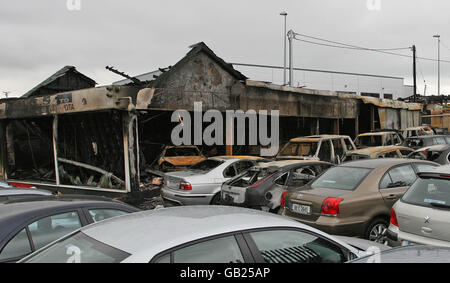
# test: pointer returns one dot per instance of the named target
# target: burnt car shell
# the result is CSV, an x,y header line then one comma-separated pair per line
x,y
175,158
267,182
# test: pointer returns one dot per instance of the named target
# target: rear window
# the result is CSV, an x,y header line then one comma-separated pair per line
x,y
426,155
79,248
341,178
430,192
369,141
206,165
250,177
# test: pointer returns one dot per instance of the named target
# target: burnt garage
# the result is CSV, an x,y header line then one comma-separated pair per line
x,y
104,139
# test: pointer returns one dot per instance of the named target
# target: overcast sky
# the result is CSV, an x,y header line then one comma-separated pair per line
x,y
136,36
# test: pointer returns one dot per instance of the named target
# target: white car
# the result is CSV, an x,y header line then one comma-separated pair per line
x,y
422,215
197,234
201,183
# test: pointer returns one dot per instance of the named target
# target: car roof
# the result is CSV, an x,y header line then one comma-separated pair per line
x,y
316,138
437,147
378,149
380,162
151,232
289,163
427,137
436,171
236,157
22,191
16,213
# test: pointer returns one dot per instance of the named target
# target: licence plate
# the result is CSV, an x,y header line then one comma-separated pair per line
x,y
301,209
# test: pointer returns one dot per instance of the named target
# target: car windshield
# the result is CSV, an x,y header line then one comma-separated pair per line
x,y
206,165
78,248
341,178
300,149
375,140
430,192
182,151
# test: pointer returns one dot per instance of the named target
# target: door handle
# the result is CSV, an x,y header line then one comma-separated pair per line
x,y
427,230
391,197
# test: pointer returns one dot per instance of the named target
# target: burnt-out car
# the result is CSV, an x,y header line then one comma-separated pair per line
x,y
261,187
391,151
327,148
436,153
176,158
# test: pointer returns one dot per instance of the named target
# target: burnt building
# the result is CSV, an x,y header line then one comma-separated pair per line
x,y
102,140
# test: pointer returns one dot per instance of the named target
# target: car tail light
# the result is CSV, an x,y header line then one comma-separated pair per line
x,y
330,206
21,185
283,199
445,176
185,186
394,218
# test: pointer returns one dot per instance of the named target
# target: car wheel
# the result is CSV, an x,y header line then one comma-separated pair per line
x,y
216,200
376,231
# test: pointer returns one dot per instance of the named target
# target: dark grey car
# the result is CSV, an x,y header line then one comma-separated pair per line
x,y
12,193
423,141
26,226
436,153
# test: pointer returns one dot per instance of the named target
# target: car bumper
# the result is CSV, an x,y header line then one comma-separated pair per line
x,y
334,226
399,238
173,197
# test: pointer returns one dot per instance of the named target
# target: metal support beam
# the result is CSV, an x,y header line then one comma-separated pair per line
x,y
55,148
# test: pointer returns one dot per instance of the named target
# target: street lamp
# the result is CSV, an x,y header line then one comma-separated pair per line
x,y
439,62
284,14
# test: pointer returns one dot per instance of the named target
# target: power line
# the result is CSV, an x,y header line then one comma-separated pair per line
x,y
355,47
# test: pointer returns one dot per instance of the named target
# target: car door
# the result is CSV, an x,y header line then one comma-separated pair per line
x,y
395,182
290,245
41,232
325,151
229,248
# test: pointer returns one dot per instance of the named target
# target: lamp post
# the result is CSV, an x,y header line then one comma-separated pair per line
x,y
284,35
439,62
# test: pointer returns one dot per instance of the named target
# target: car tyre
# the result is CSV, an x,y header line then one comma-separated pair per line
x,y
216,200
376,231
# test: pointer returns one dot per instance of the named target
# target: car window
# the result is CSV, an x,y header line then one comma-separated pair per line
x,y
397,139
222,250
102,214
349,144
206,165
241,166
439,140
19,246
288,246
51,228
79,248
301,176
401,176
282,179
430,192
229,172
334,178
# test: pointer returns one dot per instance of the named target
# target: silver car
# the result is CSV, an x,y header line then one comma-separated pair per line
x,y
436,153
197,234
202,182
13,193
422,215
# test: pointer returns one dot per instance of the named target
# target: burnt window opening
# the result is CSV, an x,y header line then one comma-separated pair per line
x,y
30,150
90,150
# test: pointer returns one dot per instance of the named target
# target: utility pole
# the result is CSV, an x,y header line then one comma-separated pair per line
x,y
284,36
439,62
291,57
414,72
